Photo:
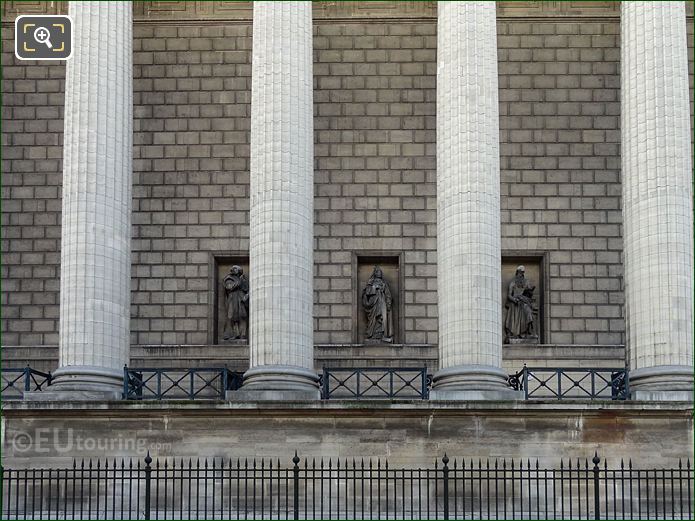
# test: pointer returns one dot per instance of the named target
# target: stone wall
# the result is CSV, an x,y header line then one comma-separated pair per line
x,y
407,433
374,171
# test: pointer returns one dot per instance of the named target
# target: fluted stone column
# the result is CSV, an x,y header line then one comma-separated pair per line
x,y
97,179
468,205
281,215
657,199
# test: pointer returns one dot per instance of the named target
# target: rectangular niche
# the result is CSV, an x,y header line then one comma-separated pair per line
x,y
535,273
363,267
220,265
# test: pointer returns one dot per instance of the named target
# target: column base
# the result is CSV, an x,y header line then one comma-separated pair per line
x,y
277,383
472,382
81,383
662,383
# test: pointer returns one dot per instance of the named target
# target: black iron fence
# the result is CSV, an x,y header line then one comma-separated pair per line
x,y
391,383
16,381
575,383
375,383
335,489
179,384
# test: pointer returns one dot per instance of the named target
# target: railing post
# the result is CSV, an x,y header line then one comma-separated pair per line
x,y
626,379
524,379
597,505
324,386
27,378
445,485
125,381
148,484
225,382
295,479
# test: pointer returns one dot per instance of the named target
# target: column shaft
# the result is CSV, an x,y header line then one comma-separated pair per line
x,y
657,199
468,203
97,179
281,215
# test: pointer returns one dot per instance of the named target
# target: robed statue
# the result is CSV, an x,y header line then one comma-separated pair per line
x,y
236,292
519,321
377,301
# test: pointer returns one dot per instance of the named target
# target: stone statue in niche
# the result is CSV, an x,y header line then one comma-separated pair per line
x,y
518,325
377,300
236,300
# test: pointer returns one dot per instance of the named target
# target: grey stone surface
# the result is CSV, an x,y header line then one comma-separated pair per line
x,y
236,357
658,239
407,433
374,127
288,395
55,395
281,216
95,261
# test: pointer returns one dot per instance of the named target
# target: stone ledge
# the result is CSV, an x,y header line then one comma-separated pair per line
x,y
357,407
235,356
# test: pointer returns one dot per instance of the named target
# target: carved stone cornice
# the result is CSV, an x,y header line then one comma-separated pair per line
x,y
239,12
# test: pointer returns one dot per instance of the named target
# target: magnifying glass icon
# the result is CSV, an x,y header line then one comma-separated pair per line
x,y
42,35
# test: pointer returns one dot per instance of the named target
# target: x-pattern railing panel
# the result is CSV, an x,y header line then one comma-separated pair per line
x,y
374,383
17,381
573,383
177,383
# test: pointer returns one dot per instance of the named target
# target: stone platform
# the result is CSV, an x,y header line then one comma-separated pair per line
x,y
406,432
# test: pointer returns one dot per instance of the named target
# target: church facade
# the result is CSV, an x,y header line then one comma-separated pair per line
x,y
286,189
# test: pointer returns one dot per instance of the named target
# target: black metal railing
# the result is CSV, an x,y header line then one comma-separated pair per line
x,y
335,489
209,383
375,383
16,381
338,383
575,383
